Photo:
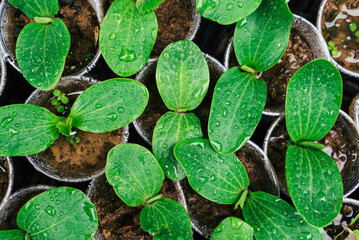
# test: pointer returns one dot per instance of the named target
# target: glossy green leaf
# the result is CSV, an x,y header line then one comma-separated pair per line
x,y
237,105
147,5
171,129
314,97
273,218
219,178
38,8
261,39
16,234
314,184
59,213
41,51
182,76
166,219
232,228
134,173
127,37
26,129
109,105
226,12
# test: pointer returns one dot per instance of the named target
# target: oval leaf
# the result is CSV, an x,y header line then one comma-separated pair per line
x,y
147,5
314,184
182,76
38,8
127,37
226,12
273,218
59,213
166,219
134,173
16,234
219,178
261,39
41,50
314,97
238,101
26,129
109,105
232,228
171,129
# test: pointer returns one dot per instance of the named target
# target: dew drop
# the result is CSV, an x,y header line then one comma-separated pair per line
x,y
121,109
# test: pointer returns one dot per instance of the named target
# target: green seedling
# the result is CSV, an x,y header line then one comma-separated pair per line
x,y
43,45
58,213
27,129
137,178
58,100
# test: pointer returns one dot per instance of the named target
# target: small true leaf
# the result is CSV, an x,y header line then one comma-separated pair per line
x,y
182,76
226,12
15,234
109,105
38,8
314,97
232,228
273,218
26,129
127,37
237,105
219,178
261,39
134,173
171,129
166,219
147,5
314,184
59,213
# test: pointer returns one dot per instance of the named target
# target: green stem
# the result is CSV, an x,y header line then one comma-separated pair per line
x,y
44,20
248,69
308,144
151,200
242,199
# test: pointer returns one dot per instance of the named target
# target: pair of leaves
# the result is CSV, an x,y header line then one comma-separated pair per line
x,y
27,129
137,178
51,215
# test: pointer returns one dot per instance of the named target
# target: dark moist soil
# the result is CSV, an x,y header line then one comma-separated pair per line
x,y
336,29
336,145
82,23
4,177
119,221
346,216
277,78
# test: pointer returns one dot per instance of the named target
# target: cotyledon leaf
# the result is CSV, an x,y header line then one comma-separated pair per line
x,y
41,50
59,213
232,228
237,105
226,12
166,219
127,37
134,173
260,40
171,129
26,129
147,5
38,8
16,234
273,218
182,76
219,178
109,105
314,184
313,100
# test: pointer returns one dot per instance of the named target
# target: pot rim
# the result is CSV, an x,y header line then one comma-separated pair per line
x,y
10,183
3,74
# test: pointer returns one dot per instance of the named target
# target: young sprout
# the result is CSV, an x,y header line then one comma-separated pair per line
x,y
58,100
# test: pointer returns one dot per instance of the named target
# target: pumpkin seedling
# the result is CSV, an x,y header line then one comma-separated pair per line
x,y
106,106
182,78
58,100
43,45
58,213
137,178
239,97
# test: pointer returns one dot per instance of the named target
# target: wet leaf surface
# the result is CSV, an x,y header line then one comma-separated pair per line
x,y
15,234
233,228
38,8
147,5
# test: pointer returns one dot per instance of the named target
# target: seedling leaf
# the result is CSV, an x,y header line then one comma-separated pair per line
x,y
237,105
147,5
260,40
314,184
171,129
127,37
109,105
232,228
15,234
38,8
166,219
314,97
182,76
273,218
134,173
219,178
